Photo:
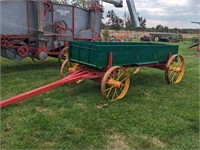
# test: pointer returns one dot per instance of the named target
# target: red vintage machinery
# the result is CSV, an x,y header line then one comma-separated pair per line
x,y
39,29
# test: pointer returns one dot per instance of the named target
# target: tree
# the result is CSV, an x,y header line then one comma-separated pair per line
x,y
142,22
159,28
61,1
166,29
111,18
105,35
81,3
129,24
114,21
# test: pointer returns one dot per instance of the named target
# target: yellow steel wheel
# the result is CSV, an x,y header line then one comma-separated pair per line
x,y
156,39
67,67
175,69
137,70
115,83
63,55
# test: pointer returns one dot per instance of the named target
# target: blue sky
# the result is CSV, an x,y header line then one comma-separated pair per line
x,y
171,13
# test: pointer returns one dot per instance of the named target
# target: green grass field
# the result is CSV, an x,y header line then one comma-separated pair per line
x,y
153,115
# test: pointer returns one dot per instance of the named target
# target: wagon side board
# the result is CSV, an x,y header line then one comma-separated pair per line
x,y
95,54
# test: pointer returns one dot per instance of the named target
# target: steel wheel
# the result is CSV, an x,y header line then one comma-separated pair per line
x,y
156,39
67,67
175,69
137,70
115,83
63,55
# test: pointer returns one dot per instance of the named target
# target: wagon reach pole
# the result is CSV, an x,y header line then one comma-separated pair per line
x,y
75,76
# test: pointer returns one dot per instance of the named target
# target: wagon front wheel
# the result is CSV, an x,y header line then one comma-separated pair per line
x,y
175,69
67,67
115,83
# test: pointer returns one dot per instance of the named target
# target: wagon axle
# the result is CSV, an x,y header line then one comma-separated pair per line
x,y
115,83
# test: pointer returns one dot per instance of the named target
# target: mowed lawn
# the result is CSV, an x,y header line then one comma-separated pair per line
x,y
153,114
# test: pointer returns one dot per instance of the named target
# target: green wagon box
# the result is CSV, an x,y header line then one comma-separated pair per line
x,y
95,54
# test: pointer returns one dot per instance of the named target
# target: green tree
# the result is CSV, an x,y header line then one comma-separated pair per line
x,y
114,21
142,22
159,28
106,35
61,1
111,18
166,29
129,24
80,3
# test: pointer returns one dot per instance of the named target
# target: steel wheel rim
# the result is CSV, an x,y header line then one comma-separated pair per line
x,y
118,75
67,67
64,68
175,69
156,39
63,55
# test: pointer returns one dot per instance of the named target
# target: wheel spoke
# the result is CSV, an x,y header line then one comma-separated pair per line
x,y
124,79
172,79
109,92
117,93
171,72
108,89
114,94
120,76
181,65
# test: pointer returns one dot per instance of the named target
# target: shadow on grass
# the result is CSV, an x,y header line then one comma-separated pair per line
x,y
153,78
28,66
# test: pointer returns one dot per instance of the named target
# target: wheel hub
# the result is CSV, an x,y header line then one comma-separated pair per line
x,y
115,83
175,69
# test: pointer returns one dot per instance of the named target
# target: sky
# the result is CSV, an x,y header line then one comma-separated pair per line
x,y
171,13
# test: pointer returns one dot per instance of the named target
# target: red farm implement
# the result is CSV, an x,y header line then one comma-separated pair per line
x,y
107,62
39,29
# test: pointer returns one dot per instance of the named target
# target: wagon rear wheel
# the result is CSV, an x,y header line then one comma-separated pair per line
x,y
67,67
63,55
175,69
115,83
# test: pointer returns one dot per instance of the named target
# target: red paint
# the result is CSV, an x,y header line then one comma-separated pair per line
x,y
83,73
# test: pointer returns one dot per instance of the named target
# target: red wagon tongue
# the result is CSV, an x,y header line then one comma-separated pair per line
x,y
75,76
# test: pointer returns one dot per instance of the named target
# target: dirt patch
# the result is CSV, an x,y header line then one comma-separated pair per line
x,y
157,143
80,105
46,111
154,142
117,141
48,144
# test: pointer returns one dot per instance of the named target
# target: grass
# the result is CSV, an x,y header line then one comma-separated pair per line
x,y
153,115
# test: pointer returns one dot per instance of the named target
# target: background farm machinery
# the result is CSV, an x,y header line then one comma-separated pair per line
x,y
162,37
39,29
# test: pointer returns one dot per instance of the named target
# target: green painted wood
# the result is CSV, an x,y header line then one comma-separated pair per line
x,y
95,54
